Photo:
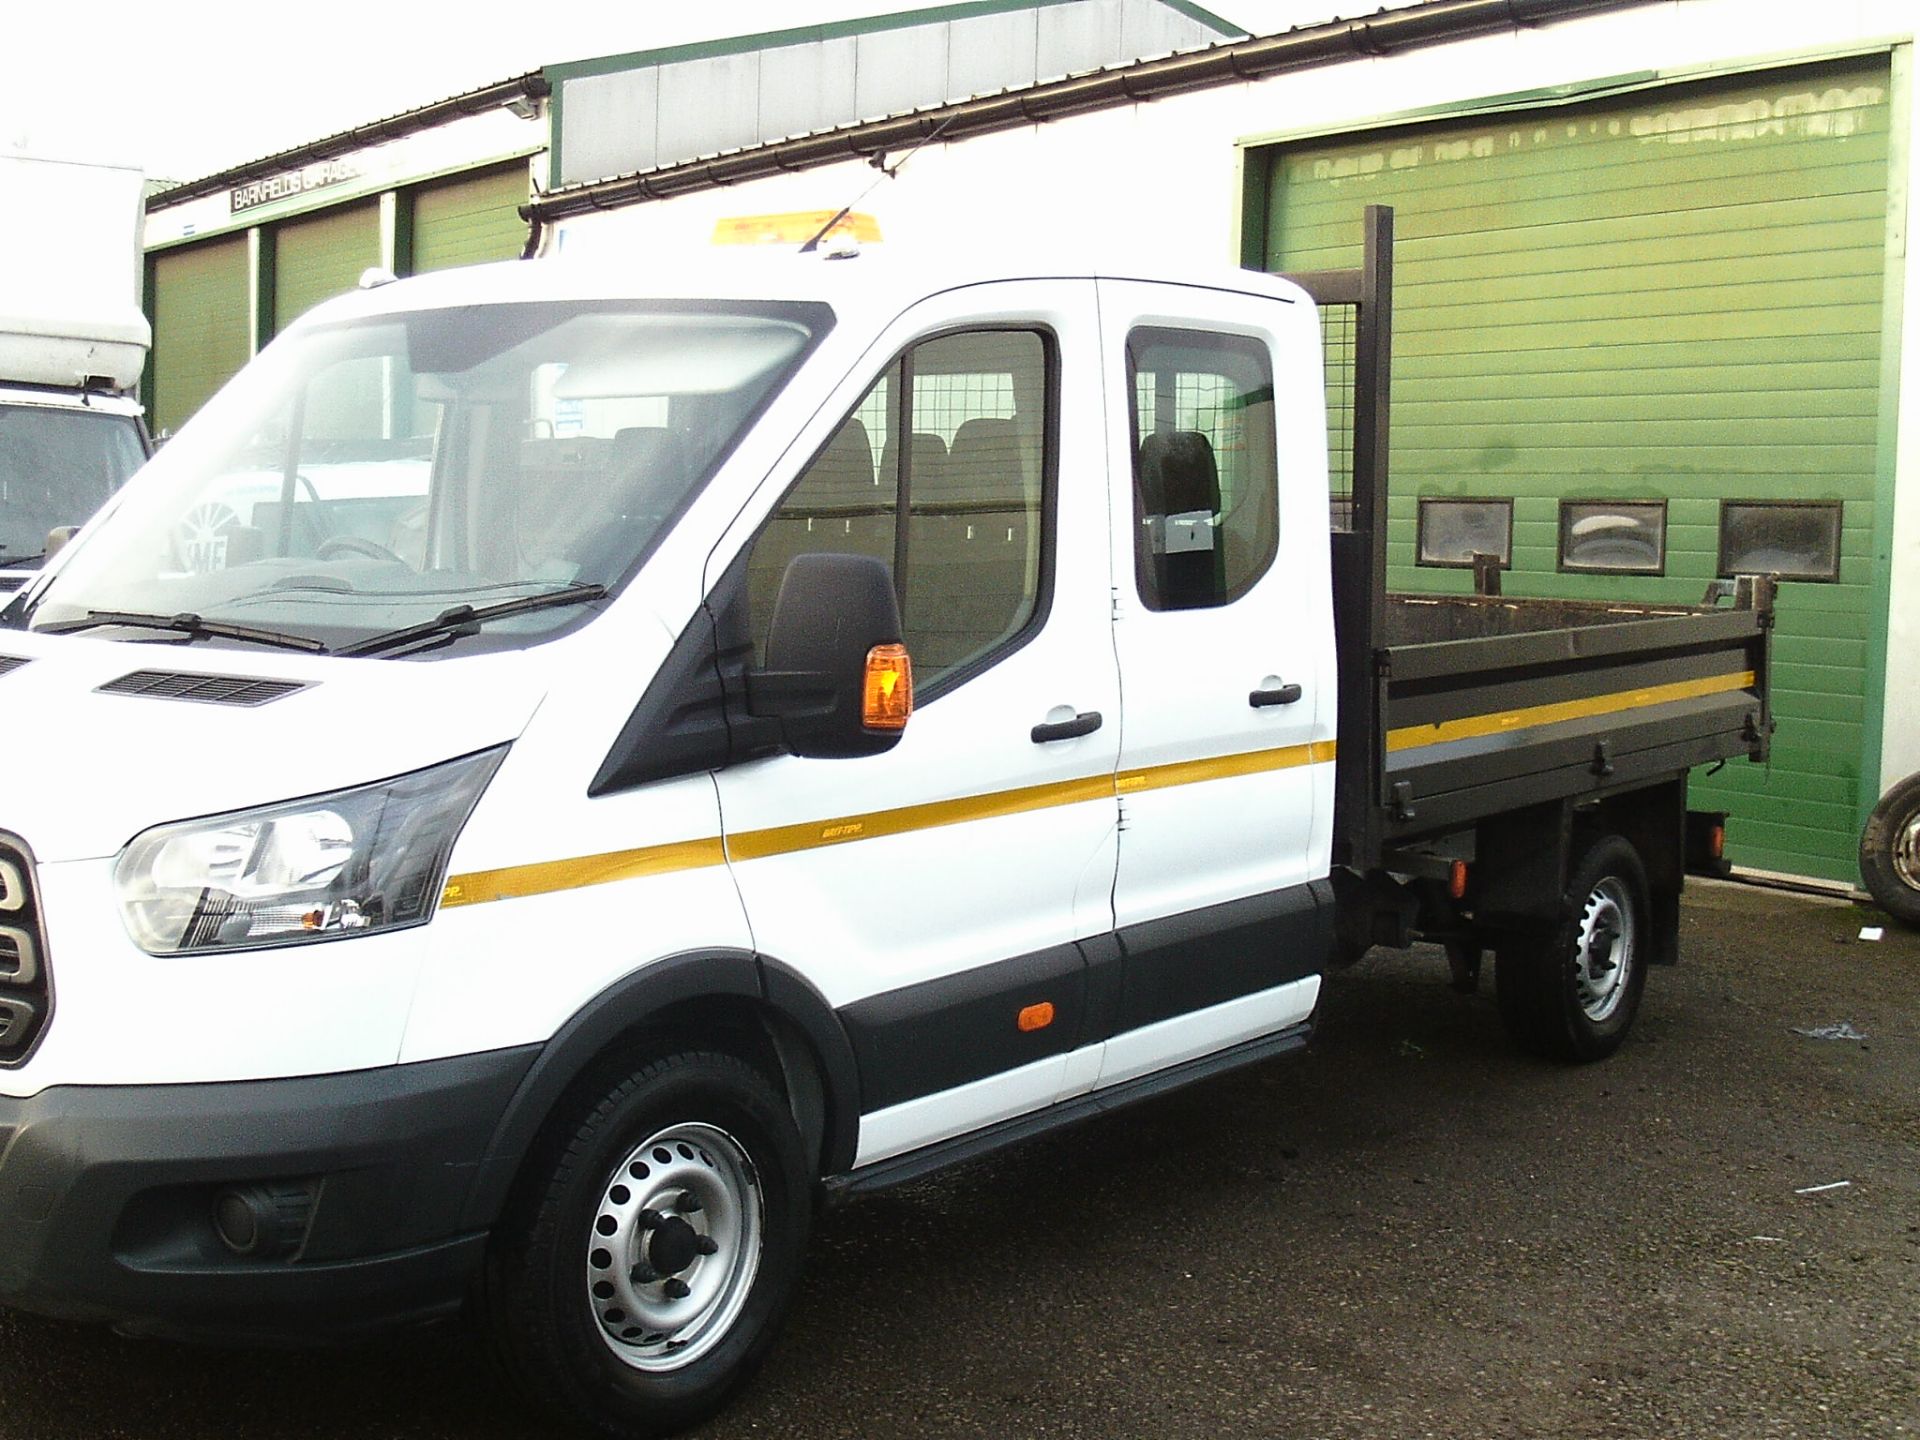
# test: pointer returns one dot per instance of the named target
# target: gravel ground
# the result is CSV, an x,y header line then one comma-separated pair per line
x,y
1409,1231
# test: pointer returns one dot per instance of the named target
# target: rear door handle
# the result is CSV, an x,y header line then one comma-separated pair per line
x,y
1085,723
1274,695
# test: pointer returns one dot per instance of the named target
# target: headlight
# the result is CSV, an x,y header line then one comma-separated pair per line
x,y
373,858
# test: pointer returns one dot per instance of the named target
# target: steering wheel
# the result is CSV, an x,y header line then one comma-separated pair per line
x,y
355,545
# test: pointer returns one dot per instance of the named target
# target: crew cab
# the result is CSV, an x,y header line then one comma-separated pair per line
x,y
786,726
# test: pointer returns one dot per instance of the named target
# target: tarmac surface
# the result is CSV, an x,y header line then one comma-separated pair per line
x,y
1409,1231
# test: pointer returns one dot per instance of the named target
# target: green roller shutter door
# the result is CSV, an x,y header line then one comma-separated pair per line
x,y
470,220
200,331
1674,294
320,256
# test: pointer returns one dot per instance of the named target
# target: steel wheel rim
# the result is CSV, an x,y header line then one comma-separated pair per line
x,y
1603,950
1905,852
674,1247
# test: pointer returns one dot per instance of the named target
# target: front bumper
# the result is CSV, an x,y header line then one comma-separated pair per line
x,y
107,1197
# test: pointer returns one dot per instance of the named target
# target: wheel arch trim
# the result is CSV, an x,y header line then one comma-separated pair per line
x,y
773,990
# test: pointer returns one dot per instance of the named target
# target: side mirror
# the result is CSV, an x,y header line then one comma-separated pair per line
x,y
837,678
57,539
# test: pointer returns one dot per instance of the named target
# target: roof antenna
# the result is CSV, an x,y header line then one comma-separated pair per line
x,y
887,172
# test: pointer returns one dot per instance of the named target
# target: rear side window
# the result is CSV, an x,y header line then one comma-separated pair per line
x,y
954,436
1206,501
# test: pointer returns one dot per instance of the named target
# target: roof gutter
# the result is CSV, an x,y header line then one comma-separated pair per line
x,y
522,88
1389,32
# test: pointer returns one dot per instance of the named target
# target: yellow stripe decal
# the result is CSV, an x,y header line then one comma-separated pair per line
x,y
1193,772
1502,722
549,876
480,886
789,839
573,874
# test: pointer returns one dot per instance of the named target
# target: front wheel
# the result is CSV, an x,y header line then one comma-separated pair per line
x,y
1570,991
653,1248
1890,852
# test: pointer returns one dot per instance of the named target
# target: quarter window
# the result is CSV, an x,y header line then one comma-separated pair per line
x,y
955,436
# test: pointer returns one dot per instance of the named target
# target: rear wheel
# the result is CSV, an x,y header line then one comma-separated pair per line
x,y
1571,990
1890,852
654,1247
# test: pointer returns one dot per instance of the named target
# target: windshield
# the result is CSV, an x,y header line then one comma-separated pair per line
x,y
57,467
369,476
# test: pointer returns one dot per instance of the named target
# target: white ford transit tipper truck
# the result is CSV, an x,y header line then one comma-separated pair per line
x,y
73,342
809,722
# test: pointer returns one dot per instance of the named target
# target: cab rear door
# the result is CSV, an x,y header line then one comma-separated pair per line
x,y
1224,631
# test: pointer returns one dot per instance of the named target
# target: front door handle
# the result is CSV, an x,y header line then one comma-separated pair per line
x,y
1274,695
1085,723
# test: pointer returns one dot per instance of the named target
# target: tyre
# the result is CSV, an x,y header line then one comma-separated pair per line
x,y
1570,991
1890,852
652,1247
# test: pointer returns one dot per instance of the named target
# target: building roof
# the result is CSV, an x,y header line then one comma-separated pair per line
x,y
626,113
521,89
1411,26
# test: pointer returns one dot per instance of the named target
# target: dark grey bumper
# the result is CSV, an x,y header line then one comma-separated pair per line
x,y
106,1198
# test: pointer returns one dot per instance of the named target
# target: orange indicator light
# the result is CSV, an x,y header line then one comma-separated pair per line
x,y
1719,842
887,700
1457,879
1037,1017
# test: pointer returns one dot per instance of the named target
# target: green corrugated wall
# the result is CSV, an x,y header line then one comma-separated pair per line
x,y
470,220
200,330
319,256
1674,293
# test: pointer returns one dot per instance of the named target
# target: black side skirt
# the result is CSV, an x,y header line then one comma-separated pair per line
x,y
941,1034
919,1163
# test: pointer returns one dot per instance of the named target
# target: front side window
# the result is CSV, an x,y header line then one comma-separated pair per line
x,y
369,476
954,437
1205,474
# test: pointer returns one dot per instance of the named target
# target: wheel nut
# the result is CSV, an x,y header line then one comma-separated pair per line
x,y
677,1289
706,1245
688,1203
651,1219
642,1275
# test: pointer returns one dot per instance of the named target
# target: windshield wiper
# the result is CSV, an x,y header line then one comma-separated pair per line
x,y
190,625
461,620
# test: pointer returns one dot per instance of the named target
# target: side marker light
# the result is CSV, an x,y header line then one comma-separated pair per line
x,y
1457,880
1037,1017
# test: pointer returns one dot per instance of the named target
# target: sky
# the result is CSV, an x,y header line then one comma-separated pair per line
x,y
183,88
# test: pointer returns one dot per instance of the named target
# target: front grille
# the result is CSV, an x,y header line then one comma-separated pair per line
x,y
10,662
26,984
207,689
